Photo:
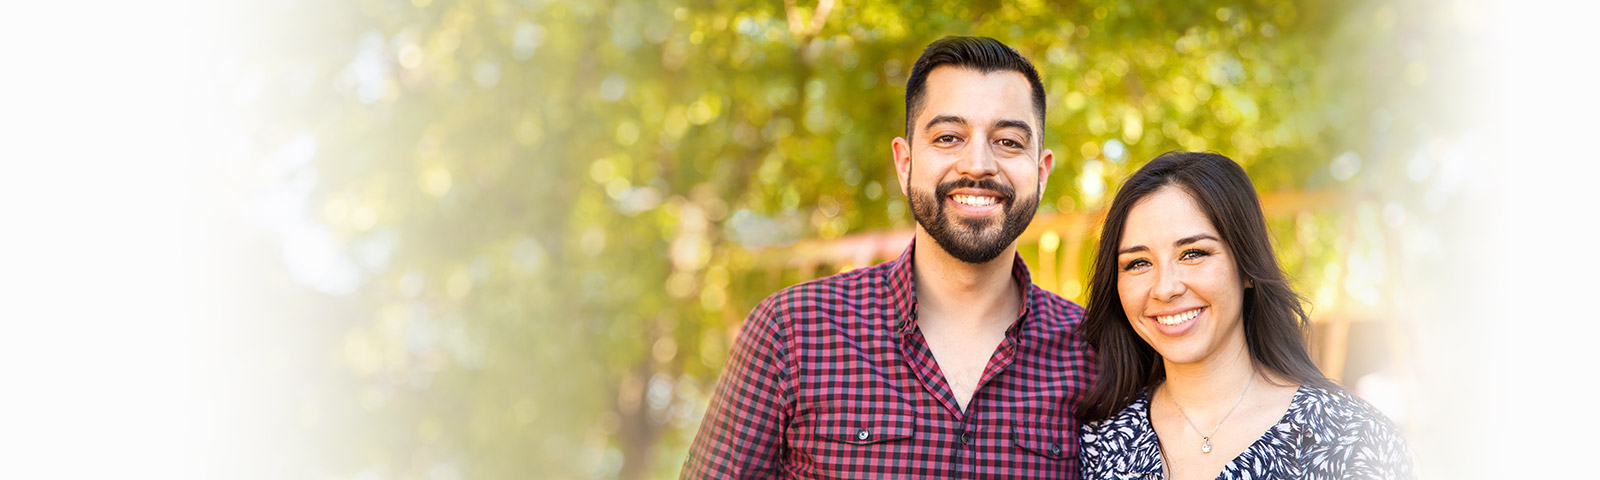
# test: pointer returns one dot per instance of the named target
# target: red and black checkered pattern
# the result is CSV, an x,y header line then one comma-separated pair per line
x,y
833,379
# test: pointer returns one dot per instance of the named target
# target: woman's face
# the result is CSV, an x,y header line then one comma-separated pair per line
x,y
1178,281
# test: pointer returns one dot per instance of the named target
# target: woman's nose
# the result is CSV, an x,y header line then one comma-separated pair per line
x,y
1169,284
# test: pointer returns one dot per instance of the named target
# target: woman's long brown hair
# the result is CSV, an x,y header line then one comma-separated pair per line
x,y
1275,323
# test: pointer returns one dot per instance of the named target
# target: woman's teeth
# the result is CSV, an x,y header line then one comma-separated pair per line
x,y
974,200
1170,320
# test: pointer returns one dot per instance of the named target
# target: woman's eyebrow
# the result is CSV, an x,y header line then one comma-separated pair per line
x,y
1194,238
1181,242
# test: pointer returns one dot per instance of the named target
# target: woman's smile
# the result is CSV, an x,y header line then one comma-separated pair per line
x,y
1177,324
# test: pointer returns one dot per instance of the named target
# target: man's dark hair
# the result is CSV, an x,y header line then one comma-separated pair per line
x,y
984,54
1275,323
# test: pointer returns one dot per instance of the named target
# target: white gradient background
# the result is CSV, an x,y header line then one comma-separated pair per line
x,y
123,354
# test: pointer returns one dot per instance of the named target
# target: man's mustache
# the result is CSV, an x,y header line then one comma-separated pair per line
x,y
987,184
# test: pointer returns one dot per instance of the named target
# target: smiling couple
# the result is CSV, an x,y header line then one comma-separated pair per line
x,y
948,362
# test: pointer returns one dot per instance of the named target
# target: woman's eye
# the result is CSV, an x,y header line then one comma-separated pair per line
x,y
1135,265
1193,254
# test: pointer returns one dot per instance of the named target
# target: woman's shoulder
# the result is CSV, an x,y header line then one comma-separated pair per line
x,y
1130,418
1336,410
1123,442
1350,435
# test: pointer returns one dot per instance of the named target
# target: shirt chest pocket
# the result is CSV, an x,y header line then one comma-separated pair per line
x,y
862,429
1045,446
848,445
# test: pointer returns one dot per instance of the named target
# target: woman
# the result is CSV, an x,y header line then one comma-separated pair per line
x,y
1204,370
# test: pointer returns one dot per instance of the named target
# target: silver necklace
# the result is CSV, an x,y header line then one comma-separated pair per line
x,y
1206,447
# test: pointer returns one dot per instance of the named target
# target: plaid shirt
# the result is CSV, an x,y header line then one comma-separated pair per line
x,y
833,379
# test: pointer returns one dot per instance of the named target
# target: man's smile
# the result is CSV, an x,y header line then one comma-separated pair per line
x,y
976,201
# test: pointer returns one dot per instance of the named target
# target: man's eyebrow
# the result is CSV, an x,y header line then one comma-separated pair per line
x,y
945,119
1027,132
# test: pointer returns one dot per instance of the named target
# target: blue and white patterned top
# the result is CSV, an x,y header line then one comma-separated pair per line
x,y
1324,435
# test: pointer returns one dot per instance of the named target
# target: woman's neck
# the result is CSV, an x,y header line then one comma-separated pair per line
x,y
1214,383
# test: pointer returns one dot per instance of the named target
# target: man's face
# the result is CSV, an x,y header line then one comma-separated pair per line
x,y
974,168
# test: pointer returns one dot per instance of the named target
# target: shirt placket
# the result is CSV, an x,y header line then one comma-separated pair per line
x,y
969,432
962,455
960,444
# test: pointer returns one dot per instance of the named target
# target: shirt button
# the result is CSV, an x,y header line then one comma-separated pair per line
x,y
966,437
863,434
1055,449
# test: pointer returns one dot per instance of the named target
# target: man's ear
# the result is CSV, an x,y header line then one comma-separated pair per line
x,y
1047,162
902,162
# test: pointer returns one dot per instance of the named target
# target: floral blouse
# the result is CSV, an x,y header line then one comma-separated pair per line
x,y
1324,435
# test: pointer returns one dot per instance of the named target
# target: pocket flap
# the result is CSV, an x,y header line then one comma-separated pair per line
x,y
865,428
1052,440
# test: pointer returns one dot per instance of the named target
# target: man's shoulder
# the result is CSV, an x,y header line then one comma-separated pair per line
x,y
843,284
1055,309
842,291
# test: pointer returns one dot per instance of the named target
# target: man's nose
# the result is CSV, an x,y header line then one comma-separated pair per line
x,y
978,161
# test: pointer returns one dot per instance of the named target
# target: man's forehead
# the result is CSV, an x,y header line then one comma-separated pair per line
x,y
976,96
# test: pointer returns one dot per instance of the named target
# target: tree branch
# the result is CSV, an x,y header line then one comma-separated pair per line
x,y
802,29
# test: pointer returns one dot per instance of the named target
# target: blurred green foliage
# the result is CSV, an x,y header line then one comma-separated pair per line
x,y
555,208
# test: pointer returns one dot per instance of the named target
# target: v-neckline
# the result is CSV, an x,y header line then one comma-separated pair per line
x,y
1161,455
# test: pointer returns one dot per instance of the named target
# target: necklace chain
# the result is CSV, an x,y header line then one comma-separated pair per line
x,y
1206,447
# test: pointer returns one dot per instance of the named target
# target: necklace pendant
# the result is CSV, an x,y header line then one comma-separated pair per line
x,y
1206,447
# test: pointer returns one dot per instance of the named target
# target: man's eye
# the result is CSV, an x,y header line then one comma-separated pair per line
x,y
946,139
1135,265
1009,143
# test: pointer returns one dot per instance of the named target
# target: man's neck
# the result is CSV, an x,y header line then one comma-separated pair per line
x,y
964,294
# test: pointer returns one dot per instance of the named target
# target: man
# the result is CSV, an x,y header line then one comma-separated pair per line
x,y
945,363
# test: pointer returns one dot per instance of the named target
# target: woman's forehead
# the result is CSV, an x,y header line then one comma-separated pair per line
x,y
1165,215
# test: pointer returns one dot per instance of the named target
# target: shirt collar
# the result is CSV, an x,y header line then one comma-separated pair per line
x,y
903,288
1305,416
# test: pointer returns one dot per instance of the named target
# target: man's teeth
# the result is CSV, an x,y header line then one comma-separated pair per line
x,y
1170,320
974,200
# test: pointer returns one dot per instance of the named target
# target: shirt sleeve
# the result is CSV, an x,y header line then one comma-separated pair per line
x,y
743,431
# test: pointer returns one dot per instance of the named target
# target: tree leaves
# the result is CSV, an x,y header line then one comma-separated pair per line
x,y
572,196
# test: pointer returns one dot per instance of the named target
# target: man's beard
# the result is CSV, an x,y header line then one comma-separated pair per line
x,y
972,240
